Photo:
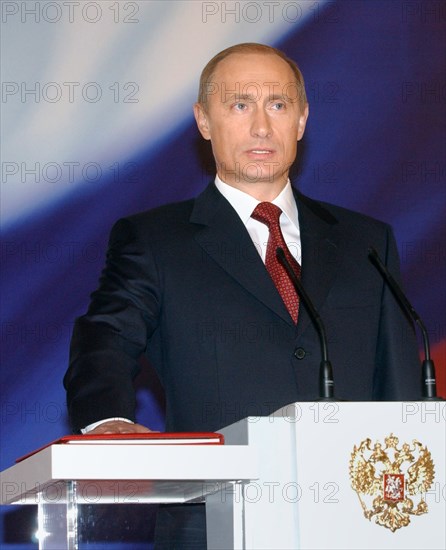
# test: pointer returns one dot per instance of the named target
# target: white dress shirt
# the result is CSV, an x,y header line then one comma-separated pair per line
x,y
244,205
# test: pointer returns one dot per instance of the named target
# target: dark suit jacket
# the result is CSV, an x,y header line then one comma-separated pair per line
x,y
184,284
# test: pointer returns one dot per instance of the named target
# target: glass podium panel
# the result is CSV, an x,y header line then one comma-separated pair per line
x,y
58,518
103,515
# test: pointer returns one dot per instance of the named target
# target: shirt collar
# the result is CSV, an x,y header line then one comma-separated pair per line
x,y
244,204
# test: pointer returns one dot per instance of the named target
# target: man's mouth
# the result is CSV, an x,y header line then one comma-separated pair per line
x,y
260,151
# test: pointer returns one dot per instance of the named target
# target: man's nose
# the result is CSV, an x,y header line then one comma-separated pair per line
x,y
261,124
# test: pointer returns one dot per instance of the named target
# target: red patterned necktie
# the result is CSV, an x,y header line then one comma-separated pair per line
x,y
269,214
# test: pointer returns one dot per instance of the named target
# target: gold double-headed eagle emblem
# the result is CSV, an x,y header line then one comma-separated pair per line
x,y
391,481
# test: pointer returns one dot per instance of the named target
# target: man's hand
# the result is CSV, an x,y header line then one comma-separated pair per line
x,y
119,427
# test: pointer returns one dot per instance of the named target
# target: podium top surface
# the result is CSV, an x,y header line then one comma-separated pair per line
x,y
151,465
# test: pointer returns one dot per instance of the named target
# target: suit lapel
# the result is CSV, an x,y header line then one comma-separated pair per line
x,y
225,239
320,253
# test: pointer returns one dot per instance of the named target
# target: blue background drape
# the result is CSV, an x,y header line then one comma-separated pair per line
x,y
97,124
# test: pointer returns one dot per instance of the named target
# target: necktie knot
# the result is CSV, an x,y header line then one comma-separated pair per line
x,y
267,213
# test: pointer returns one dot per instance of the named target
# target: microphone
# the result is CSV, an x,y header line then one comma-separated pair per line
x,y
428,383
326,382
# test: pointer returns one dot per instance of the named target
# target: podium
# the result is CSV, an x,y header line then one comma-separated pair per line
x,y
311,476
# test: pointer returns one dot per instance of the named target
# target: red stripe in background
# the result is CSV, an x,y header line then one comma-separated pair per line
x,y
438,353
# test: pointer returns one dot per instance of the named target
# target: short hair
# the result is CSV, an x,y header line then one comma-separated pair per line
x,y
247,47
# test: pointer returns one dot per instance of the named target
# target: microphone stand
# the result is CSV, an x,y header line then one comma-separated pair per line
x,y
326,382
428,382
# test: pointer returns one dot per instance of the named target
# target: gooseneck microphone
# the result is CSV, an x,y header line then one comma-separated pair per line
x,y
326,383
428,383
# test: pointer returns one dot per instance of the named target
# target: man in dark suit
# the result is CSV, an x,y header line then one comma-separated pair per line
x,y
193,284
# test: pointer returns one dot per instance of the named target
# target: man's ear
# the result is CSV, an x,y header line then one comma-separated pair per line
x,y
202,121
302,122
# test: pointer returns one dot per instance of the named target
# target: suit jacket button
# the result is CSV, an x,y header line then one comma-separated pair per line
x,y
299,353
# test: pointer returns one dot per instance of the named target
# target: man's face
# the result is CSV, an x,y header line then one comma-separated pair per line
x,y
254,120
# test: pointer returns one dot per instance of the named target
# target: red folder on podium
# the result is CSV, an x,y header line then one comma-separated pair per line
x,y
151,438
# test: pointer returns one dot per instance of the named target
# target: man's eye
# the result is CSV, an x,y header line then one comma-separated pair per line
x,y
279,106
239,106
